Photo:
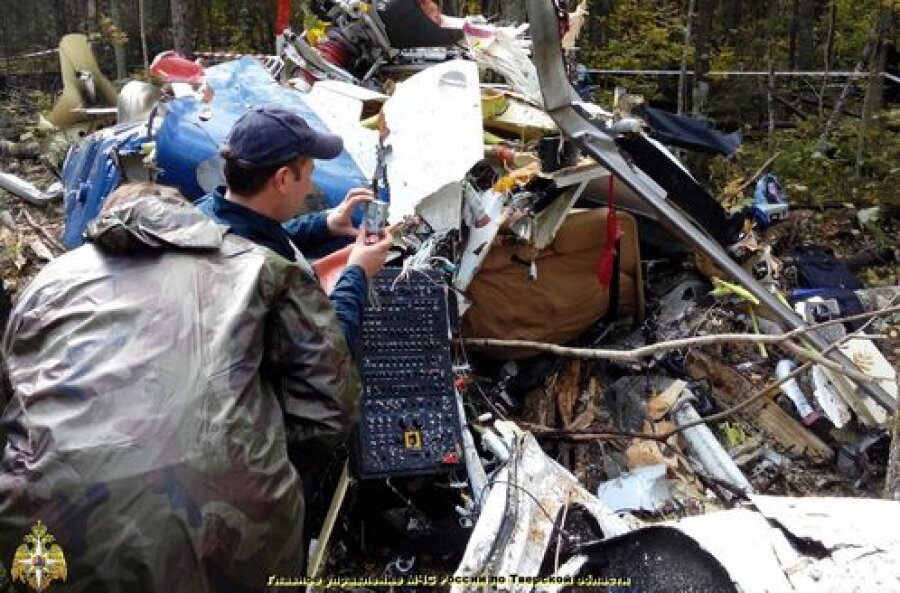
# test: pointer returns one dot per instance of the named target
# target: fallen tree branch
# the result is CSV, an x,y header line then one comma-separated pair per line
x,y
790,106
54,242
561,434
750,181
892,477
635,354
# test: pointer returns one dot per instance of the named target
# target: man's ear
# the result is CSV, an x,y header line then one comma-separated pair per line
x,y
280,179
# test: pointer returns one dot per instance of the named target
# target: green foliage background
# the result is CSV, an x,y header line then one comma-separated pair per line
x,y
637,34
620,34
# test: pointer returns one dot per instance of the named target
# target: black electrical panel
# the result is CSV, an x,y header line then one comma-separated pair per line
x,y
409,421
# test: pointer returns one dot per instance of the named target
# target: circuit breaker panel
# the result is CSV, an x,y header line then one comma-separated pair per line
x,y
409,420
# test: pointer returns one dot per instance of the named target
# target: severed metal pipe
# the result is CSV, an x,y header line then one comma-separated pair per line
x,y
27,191
706,447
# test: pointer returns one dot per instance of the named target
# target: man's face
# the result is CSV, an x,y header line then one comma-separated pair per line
x,y
294,182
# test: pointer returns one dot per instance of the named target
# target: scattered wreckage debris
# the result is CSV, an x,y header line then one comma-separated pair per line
x,y
600,142
703,396
30,222
731,388
29,192
87,93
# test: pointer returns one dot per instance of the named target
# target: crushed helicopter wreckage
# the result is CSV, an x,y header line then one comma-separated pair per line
x,y
569,247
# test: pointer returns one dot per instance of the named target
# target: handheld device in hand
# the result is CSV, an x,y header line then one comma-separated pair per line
x,y
375,219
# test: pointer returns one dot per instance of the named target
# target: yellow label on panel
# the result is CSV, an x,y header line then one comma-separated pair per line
x,y
412,439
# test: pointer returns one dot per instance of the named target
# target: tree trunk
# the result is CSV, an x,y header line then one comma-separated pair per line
x,y
596,29
892,480
792,35
115,10
868,106
829,54
881,60
181,37
62,20
682,76
881,24
806,41
490,8
700,98
513,11
143,27
770,97
92,13
731,11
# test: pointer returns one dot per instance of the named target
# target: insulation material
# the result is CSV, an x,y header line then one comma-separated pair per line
x,y
497,48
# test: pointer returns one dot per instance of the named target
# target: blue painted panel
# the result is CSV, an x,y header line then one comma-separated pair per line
x,y
90,174
185,140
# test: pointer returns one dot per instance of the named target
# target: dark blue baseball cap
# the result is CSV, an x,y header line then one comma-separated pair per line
x,y
267,136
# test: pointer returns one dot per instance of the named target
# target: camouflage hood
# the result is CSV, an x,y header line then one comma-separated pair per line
x,y
154,223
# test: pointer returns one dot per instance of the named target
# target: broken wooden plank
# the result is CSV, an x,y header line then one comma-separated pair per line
x,y
660,404
585,455
729,388
540,405
567,392
40,250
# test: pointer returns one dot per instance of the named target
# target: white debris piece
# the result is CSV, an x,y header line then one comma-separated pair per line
x,y
442,102
340,106
643,489
516,522
804,544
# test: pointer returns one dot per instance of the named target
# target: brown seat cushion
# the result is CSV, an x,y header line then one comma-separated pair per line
x,y
566,299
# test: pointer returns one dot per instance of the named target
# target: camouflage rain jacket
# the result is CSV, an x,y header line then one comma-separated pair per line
x,y
157,374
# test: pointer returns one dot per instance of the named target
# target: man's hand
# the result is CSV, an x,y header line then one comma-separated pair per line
x,y
370,257
340,223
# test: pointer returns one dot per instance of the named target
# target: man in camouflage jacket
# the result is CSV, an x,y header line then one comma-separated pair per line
x,y
158,375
